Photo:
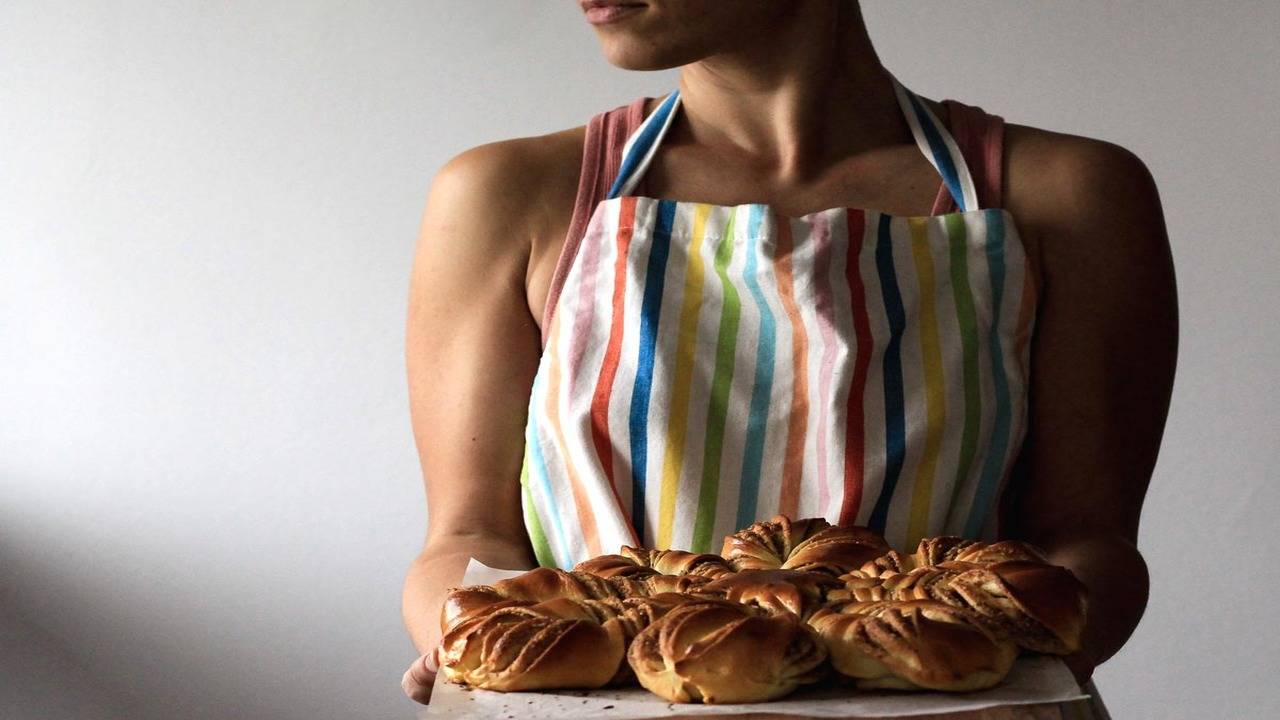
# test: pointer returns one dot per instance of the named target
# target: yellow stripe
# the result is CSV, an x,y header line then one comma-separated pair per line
x,y
686,345
935,403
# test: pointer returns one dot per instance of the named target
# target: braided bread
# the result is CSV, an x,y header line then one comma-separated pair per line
x,y
810,544
546,583
519,648
760,619
719,652
935,551
794,591
633,561
487,653
1039,606
914,644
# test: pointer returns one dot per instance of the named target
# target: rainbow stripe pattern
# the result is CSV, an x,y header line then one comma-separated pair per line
x,y
708,366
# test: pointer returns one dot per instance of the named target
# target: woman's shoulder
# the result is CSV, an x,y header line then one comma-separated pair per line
x,y
531,181
515,177
1081,202
1048,168
521,193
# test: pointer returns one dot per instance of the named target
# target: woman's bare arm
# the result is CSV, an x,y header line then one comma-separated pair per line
x,y
472,349
1102,366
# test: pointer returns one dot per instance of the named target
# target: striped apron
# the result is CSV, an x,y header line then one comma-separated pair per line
x,y
708,366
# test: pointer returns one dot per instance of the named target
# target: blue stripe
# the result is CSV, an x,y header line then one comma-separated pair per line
x,y
749,491
642,143
895,420
650,310
540,471
941,153
994,462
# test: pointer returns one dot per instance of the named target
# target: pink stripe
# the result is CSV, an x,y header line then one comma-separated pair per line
x,y
823,310
586,303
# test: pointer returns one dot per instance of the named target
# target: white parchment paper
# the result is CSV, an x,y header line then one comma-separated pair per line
x,y
1034,679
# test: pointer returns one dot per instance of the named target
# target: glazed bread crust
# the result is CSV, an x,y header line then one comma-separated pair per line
x,y
911,645
810,544
720,652
762,618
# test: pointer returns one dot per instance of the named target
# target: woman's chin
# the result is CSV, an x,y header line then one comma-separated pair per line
x,y
635,53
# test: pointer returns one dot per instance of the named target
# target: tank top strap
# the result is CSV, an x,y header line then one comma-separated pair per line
x,y
602,149
980,137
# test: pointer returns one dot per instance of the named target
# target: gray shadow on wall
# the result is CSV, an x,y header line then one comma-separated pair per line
x,y
100,632
44,679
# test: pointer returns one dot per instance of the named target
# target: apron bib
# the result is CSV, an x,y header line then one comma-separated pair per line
x,y
709,366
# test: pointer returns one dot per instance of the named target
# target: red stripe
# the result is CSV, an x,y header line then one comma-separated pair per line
x,y
613,351
855,439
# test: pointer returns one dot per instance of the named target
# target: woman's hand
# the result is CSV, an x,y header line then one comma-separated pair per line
x,y
437,568
420,677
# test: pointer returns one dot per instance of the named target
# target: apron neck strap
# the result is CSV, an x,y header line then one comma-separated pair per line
x,y
938,147
642,144
933,139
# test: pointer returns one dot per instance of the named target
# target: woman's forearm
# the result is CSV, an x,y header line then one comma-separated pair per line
x,y
1116,576
439,567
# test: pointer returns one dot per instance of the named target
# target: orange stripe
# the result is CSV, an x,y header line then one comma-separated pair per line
x,y
793,458
605,448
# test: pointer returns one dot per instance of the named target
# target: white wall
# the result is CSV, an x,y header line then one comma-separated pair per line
x,y
208,489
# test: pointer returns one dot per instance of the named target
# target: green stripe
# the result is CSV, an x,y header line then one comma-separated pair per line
x,y
726,352
541,550
969,342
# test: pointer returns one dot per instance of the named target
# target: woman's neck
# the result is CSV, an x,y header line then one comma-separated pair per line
x,y
809,91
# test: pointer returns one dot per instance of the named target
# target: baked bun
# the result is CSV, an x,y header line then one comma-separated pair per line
x,y
810,544
465,601
947,549
520,648
630,614
911,645
650,585
891,563
474,653
793,591
722,652
1040,607
533,586
544,583
632,562
759,620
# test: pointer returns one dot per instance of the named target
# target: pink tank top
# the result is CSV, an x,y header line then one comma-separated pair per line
x,y
979,134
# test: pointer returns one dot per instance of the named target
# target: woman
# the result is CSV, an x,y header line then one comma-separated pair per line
x,y
991,354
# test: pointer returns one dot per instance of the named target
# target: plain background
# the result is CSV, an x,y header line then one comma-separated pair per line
x,y
208,487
